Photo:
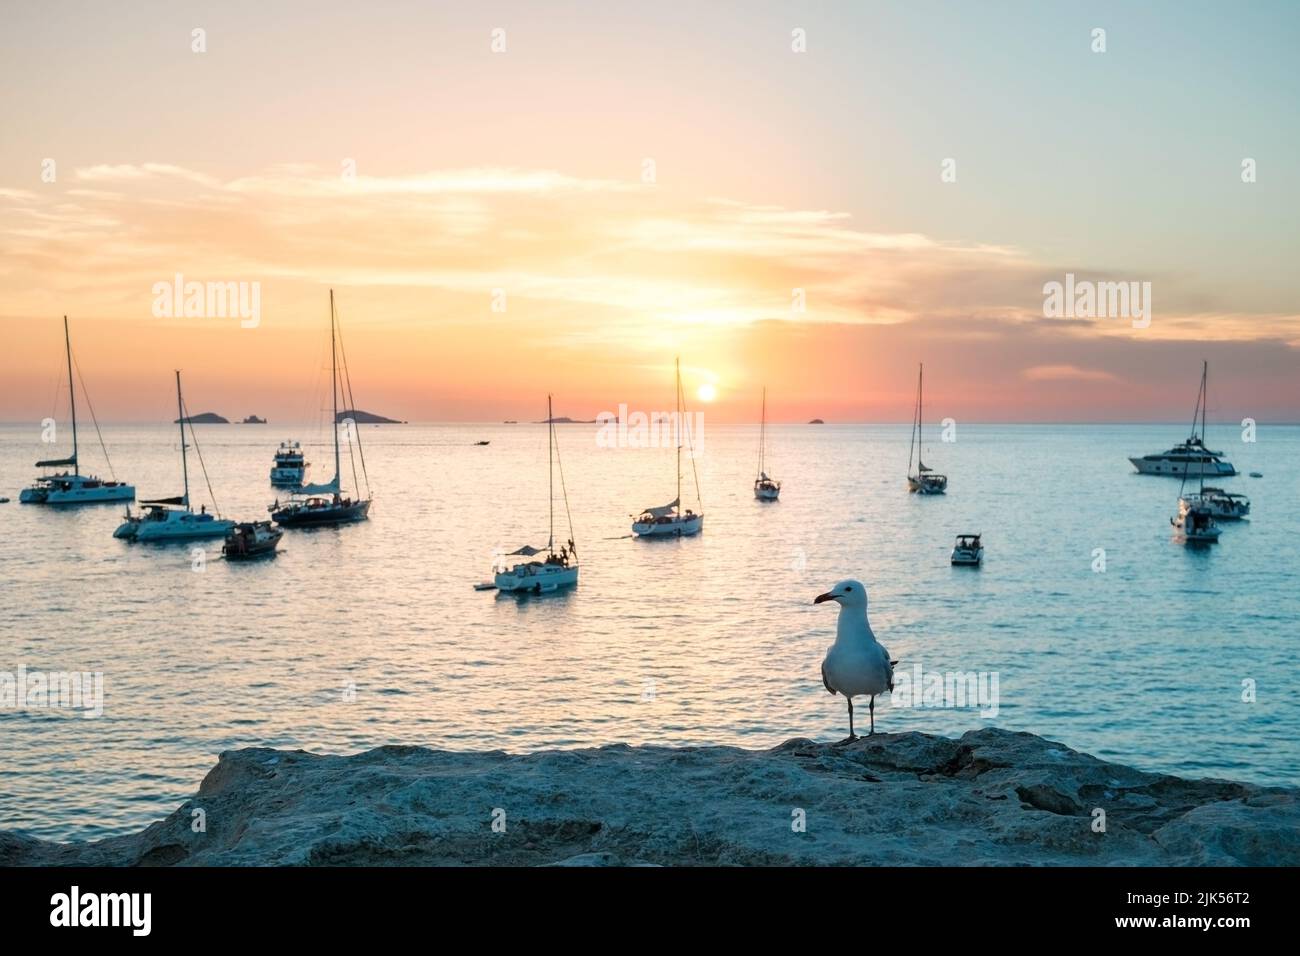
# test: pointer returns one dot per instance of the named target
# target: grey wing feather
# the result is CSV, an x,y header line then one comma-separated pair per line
x,y
889,667
825,682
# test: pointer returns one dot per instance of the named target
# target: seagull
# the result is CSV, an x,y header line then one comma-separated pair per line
x,y
856,663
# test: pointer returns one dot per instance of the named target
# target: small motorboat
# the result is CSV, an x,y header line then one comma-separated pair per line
x,y
968,550
1221,504
482,443
4,501
1257,474
251,539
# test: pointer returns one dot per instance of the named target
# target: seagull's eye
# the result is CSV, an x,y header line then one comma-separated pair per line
x,y
847,590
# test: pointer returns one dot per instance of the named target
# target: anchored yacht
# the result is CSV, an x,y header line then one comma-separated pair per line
x,y
72,487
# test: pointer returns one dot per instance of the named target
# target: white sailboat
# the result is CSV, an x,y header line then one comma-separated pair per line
x,y
559,568
172,519
765,488
670,520
923,481
72,487
324,504
1195,522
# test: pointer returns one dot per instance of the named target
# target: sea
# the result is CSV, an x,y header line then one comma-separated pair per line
x,y
1089,623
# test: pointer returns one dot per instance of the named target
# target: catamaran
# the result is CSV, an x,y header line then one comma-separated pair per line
x,y
171,519
72,487
559,568
1190,457
765,488
324,504
669,519
924,481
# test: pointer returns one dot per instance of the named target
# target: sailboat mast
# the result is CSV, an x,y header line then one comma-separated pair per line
x,y
920,414
334,392
72,397
1205,400
762,437
550,469
678,426
180,417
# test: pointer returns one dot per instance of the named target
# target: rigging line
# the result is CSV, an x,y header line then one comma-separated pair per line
x,y
89,405
555,443
199,451
690,443
347,379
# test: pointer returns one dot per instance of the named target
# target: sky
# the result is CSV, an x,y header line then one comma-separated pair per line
x,y
620,183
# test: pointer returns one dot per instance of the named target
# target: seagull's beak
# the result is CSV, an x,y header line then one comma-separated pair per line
x,y
823,597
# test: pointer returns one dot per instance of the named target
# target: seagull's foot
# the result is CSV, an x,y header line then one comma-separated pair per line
x,y
847,740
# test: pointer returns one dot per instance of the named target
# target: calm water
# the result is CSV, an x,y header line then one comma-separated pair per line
x,y
705,640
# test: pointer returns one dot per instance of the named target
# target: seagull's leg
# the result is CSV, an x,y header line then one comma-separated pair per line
x,y
852,736
873,715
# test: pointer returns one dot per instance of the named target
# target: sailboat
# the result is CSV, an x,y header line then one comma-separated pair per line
x,y
1189,457
765,488
559,568
72,487
324,504
1195,521
669,519
172,519
923,481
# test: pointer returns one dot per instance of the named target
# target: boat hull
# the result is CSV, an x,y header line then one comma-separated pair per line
x,y
1182,469
178,526
257,542
967,556
767,492
1219,509
536,578
302,517
679,526
77,492
936,485
287,477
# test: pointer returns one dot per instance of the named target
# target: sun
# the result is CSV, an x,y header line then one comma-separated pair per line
x,y
707,392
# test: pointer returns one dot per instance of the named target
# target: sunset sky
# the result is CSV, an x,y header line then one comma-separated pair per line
x,y
526,171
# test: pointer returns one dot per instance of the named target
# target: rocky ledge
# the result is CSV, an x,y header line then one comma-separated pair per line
x,y
991,797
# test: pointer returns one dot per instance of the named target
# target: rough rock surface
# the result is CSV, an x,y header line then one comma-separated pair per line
x,y
992,797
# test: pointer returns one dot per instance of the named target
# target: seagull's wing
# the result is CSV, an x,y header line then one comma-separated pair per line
x,y
889,667
825,682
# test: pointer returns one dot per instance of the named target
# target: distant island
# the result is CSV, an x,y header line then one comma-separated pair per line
x,y
253,420
365,418
207,418
564,420
816,421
